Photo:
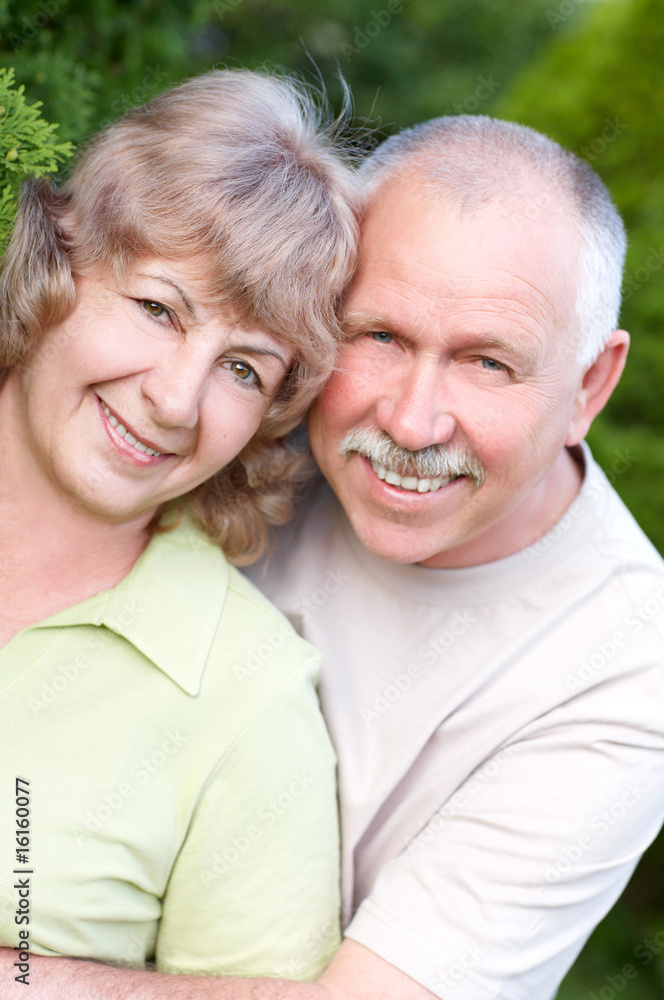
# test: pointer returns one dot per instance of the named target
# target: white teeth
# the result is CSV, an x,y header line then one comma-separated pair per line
x,y
411,483
124,433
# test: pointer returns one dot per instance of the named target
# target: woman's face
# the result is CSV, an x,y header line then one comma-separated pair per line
x,y
144,391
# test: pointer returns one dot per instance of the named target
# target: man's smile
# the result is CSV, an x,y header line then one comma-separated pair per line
x,y
412,483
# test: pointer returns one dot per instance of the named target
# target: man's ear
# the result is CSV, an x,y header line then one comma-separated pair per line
x,y
597,384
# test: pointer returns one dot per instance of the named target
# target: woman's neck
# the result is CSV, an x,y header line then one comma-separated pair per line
x,y
52,559
53,552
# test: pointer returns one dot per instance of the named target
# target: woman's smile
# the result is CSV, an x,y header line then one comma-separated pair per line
x,y
119,431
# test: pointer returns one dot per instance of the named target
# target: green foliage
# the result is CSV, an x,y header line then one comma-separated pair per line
x,y
404,59
87,63
27,147
610,110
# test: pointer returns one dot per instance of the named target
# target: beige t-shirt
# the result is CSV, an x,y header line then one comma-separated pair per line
x,y
499,731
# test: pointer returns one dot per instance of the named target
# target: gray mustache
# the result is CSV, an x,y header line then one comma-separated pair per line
x,y
427,463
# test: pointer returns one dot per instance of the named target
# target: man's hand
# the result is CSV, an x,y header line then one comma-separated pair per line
x,y
354,974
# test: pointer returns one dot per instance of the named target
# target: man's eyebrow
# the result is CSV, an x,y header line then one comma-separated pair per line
x,y
370,320
173,284
527,351
503,343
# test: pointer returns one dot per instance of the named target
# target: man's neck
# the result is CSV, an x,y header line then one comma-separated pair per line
x,y
530,520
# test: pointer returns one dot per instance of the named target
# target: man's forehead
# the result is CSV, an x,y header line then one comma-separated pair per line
x,y
414,236
406,200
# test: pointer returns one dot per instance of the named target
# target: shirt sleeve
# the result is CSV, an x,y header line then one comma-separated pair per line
x,y
495,897
255,888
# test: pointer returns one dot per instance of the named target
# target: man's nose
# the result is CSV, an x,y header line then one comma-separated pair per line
x,y
413,410
176,386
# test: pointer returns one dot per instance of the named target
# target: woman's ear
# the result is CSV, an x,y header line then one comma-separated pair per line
x,y
597,384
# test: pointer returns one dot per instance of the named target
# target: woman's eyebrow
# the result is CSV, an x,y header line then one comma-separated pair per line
x,y
252,349
169,281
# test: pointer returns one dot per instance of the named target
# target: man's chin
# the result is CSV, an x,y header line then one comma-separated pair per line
x,y
394,542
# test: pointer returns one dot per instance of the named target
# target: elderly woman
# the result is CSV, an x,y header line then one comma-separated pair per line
x,y
165,318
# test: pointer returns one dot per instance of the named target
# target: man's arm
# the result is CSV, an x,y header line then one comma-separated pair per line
x,y
354,974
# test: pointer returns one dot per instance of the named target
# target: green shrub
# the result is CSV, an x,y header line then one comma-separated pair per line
x,y
28,146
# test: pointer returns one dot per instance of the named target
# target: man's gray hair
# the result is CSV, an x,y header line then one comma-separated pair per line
x,y
478,160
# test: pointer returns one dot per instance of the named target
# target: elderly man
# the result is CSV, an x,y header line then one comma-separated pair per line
x,y
490,614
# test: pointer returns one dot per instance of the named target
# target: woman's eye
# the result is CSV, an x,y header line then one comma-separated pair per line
x,y
243,371
154,309
382,337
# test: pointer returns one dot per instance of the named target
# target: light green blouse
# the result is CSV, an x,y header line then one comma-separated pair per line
x,y
181,780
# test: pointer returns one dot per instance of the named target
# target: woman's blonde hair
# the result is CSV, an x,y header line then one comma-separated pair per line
x,y
235,169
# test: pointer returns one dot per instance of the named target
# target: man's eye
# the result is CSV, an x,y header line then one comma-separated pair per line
x,y
154,309
382,337
243,371
491,365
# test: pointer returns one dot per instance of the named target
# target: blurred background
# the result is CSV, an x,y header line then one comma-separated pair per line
x,y
589,73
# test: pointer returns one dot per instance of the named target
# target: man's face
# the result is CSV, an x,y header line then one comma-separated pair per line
x,y
462,334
